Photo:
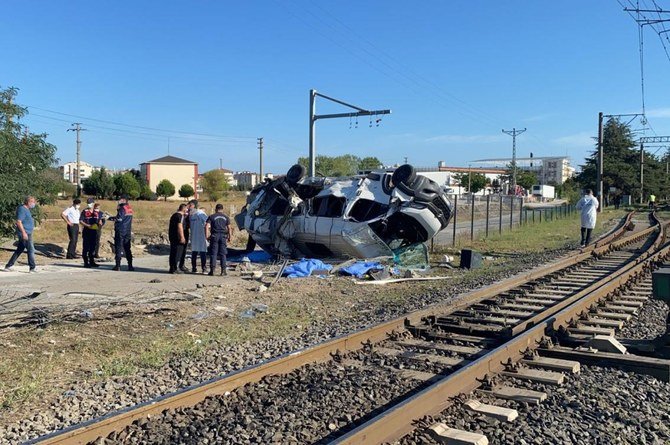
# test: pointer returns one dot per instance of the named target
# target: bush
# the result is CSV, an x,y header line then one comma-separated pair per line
x,y
165,189
126,184
186,191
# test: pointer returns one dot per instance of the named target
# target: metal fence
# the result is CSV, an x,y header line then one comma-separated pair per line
x,y
482,216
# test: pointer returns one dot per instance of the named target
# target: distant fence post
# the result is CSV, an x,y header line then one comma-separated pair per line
x,y
511,212
488,204
472,218
453,241
520,209
500,215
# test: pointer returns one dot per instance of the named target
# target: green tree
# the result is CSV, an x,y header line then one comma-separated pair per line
x,y
370,163
477,181
26,162
526,179
620,161
100,184
345,165
54,183
146,193
186,191
215,184
126,184
570,190
165,189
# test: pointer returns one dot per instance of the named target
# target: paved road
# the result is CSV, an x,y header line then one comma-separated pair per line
x,y
67,284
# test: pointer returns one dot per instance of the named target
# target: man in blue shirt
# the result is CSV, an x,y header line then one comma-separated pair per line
x,y
218,234
24,230
123,224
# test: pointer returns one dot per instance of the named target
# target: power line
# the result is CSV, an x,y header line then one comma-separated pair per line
x,y
139,126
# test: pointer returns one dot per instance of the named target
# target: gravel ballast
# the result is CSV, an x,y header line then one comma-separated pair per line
x,y
93,399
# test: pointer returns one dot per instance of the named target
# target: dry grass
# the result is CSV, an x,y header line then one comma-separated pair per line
x,y
41,363
150,217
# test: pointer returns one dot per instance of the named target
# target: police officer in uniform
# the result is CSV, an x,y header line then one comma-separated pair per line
x,y
90,220
218,233
123,224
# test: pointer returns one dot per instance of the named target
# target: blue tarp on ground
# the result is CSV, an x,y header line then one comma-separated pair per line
x,y
257,256
304,268
360,268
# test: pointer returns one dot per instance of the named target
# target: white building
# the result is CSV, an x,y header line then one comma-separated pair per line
x,y
69,171
549,169
246,179
447,177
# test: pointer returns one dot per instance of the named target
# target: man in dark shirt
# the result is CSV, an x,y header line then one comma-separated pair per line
x,y
90,220
187,231
217,230
177,238
123,229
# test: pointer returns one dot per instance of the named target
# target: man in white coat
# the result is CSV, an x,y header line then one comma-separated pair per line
x,y
588,206
197,219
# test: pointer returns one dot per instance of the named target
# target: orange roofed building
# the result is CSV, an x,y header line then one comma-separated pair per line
x,y
176,170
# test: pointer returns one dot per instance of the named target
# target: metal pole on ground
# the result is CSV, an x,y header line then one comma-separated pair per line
x,y
500,215
488,204
511,212
453,242
472,218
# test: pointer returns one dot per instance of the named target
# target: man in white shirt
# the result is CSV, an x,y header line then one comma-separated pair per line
x,y
71,217
588,206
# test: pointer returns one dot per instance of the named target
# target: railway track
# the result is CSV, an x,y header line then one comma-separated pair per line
x,y
386,377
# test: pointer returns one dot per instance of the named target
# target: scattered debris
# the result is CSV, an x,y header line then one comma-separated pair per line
x,y
260,307
262,288
255,309
400,280
225,309
155,280
201,315
86,314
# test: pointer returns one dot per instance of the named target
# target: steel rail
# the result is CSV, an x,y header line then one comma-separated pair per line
x,y
89,431
396,422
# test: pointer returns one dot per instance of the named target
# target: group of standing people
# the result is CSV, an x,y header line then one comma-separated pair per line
x,y
209,236
90,222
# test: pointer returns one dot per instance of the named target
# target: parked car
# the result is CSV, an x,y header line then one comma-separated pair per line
x,y
360,217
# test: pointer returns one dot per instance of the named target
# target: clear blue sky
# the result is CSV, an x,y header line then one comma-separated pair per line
x,y
453,72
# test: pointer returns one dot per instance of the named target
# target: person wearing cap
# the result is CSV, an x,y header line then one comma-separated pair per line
x,y
218,233
198,220
90,220
71,217
123,224
98,233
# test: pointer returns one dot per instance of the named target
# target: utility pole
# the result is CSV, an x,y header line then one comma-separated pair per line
x,y
77,128
642,173
313,117
469,177
514,133
599,171
405,159
260,169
